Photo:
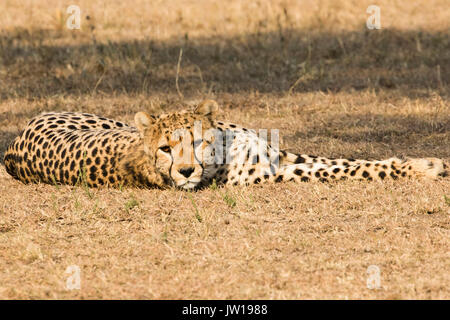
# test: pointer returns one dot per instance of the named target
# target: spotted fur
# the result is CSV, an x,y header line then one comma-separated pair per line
x,y
163,151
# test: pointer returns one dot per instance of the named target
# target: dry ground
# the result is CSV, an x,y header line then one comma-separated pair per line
x,y
308,68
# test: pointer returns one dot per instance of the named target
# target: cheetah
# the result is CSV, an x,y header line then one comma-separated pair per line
x,y
186,149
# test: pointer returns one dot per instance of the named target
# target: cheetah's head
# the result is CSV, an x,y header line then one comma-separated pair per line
x,y
177,143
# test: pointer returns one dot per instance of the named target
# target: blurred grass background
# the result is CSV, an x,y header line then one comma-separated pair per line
x,y
276,47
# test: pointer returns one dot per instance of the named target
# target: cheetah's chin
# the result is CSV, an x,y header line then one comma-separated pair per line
x,y
188,185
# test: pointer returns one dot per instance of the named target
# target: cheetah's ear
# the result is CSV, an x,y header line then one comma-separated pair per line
x,y
207,108
143,120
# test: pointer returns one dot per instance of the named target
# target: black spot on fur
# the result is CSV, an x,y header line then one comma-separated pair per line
x,y
300,159
104,172
91,144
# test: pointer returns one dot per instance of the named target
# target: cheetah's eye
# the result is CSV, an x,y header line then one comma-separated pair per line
x,y
165,149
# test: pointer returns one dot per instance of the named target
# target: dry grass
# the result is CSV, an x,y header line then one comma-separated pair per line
x,y
308,68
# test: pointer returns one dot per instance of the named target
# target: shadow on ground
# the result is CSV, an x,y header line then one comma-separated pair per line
x,y
274,62
387,135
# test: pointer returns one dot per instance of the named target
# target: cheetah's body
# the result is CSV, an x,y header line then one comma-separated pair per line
x,y
55,147
69,147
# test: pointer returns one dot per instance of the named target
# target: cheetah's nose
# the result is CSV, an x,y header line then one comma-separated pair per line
x,y
186,172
